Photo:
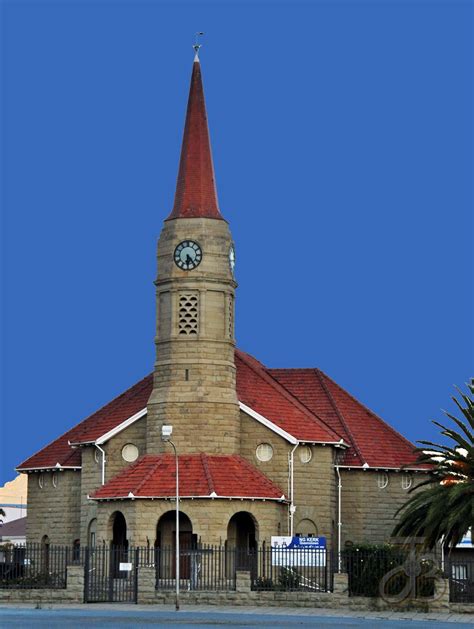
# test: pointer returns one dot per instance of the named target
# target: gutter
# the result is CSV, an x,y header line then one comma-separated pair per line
x,y
103,461
339,517
291,508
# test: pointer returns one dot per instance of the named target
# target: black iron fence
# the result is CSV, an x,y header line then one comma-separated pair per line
x,y
390,572
35,566
214,568
460,572
111,573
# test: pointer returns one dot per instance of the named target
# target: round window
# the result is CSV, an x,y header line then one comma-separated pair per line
x,y
305,454
129,452
264,452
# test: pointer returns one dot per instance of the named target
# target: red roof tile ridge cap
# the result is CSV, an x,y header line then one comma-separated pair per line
x,y
393,430
257,472
263,372
140,382
341,417
153,468
207,473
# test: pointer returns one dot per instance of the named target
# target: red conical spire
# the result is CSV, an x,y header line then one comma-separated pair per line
x,y
196,194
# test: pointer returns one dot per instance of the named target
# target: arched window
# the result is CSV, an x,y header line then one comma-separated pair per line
x,y
306,528
382,480
92,532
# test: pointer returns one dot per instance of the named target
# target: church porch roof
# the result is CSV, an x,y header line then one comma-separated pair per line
x,y
200,476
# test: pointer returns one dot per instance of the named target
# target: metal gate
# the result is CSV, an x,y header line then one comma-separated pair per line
x,y
111,575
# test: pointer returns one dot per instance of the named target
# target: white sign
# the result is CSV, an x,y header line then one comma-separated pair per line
x,y
125,567
298,551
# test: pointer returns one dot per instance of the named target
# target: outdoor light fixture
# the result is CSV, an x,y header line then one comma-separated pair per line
x,y
166,432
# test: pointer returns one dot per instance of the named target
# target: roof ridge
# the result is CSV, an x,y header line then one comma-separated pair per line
x,y
207,472
155,465
254,469
340,415
354,399
289,396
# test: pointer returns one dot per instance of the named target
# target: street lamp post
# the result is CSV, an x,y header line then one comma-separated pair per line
x,y
166,432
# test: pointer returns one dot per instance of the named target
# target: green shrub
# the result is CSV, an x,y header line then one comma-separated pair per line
x,y
288,579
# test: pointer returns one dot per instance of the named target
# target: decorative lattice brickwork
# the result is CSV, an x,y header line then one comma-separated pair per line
x,y
188,314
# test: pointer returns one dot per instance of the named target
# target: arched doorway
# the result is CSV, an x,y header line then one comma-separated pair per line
x,y
118,545
242,531
242,541
165,545
306,528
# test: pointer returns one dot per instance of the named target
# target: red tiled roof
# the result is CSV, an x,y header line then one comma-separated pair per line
x,y
99,423
372,440
259,390
200,475
305,403
196,194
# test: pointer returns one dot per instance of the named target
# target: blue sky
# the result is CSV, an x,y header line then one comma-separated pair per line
x,y
342,140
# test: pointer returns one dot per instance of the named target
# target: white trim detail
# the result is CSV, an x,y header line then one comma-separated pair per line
x,y
131,496
108,435
384,469
50,467
269,424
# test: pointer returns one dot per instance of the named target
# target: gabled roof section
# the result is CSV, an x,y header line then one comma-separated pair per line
x,y
373,442
200,476
196,194
59,452
257,389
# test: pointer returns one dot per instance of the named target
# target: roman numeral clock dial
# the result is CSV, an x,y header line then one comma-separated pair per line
x,y
187,255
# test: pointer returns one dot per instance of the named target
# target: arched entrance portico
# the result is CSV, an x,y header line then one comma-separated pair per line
x,y
165,544
242,540
242,531
118,544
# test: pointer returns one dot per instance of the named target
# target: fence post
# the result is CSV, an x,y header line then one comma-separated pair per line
x,y
86,574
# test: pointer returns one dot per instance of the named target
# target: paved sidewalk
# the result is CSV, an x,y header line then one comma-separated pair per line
x,y
201,615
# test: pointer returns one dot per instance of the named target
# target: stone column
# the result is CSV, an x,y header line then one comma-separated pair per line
x,y
341,589
75,583
146,585
441,595
242,581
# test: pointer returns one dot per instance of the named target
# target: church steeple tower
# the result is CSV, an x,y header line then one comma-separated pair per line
x,y
196,194
194,378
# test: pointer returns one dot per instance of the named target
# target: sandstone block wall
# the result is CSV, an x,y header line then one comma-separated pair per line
x,y
91,474
54,511
209,518
367,510
314,481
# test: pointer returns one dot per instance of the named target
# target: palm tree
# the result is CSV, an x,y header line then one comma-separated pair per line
x,y
444,510
2,515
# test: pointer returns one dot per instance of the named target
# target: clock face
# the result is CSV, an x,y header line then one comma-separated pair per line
x,y
187,255
232,258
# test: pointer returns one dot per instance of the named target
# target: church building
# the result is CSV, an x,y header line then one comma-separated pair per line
x,y
261,451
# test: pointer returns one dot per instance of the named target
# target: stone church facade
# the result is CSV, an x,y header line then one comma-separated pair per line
x,y
262,451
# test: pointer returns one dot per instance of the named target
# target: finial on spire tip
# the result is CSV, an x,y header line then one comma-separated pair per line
x,y
196,47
